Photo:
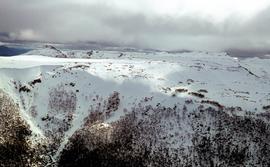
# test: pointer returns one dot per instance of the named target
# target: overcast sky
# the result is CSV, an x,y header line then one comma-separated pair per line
x,y
213,25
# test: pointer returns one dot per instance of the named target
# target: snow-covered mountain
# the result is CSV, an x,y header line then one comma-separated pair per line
x,y
142,109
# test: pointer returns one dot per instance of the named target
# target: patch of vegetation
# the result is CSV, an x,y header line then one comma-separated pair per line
x,y
196,94
214,103
144,138
266,107
190,81
15,147
181,90
113,102
35,81
62,102
72,84
90,53
203,91
24,89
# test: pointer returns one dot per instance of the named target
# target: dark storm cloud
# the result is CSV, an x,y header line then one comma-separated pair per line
x,y
63,21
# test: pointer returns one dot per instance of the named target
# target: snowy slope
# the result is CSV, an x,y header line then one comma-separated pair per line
x,y
226,79
58,97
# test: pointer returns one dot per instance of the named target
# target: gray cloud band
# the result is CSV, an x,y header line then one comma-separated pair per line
x,y
67,22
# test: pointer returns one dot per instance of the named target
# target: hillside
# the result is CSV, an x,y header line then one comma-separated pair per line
x,y
142,109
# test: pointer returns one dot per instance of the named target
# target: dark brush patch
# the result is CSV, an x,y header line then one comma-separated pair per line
x,y
72,84
181,90
196,94
113,102
202,91
61,102
102,108
143,138
35,81
214,103
90,53
15,146
266,107
24,89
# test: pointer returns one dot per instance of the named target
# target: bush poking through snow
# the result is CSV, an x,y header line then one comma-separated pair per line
x,y
113,102
214,103
203,91
181,90
196,94
24,89
38,80
266,107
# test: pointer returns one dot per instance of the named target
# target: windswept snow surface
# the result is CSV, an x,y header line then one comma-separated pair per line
x,y
56,95
232,82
